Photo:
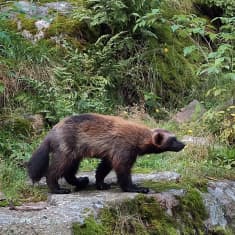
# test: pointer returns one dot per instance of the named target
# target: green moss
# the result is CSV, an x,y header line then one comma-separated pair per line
x,y
163,186
63,25
89,227
143,215
27,23
176,73
184,183
8,25
190,213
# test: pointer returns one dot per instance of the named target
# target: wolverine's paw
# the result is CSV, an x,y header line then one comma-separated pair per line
x,y
61,191
142,190
82,183
103,186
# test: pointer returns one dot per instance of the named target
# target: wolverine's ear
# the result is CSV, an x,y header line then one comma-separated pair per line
x,y
157,138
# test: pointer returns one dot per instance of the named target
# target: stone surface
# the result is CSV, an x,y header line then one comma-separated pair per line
x,y
220,203
35,10
62,7
56,215
196,140
167,200
31,9
158,176
42,24
59,212
192,111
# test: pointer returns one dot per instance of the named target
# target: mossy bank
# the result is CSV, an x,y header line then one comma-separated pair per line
x,y
144,215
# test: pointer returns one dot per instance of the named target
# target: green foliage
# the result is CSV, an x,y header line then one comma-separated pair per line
x,y
226,6
221,124
218,66
222,157
137,51
13,185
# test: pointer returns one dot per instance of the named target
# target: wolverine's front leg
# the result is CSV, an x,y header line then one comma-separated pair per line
x,y
102,171
123,171
52,182
70,175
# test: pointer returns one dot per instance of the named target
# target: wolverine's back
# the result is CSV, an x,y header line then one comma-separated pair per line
x,y
97,135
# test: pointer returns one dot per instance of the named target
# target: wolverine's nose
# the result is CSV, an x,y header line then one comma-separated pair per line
x,y
180,146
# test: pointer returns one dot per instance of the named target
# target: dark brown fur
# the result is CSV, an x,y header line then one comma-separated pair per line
x,y
117,142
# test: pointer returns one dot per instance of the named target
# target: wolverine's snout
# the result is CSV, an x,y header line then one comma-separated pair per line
x,y
180,146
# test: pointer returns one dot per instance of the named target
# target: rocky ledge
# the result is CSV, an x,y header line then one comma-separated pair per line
x,y
56,215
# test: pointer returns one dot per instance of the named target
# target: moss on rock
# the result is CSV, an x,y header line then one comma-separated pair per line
x,y
144,215
27,23
63,25
90,227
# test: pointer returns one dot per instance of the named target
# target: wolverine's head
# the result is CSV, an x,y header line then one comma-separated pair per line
x,y
164,140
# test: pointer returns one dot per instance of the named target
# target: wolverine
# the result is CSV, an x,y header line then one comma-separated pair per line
x,y
114,140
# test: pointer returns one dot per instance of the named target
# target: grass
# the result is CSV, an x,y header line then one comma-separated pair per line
x,y
15,187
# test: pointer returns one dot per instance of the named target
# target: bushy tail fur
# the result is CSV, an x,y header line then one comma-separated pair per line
x,y
39,162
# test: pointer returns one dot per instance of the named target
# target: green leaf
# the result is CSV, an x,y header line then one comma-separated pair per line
x,y
175,27
229,76
189,50
2,87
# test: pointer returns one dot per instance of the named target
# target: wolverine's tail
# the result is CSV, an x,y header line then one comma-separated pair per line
x,y
38,163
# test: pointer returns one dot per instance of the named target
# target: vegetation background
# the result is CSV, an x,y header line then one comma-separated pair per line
x,y
141,59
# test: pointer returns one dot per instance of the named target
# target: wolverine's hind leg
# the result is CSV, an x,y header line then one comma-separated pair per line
x,y
104,167
70,175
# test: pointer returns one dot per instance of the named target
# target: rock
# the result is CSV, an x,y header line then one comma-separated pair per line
x,y
196,140
62,7
62,210
192,111
35,10
31,9
167,200
220,203
137,178
59,212
38,36
30,206
56,215
26,34
42,24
